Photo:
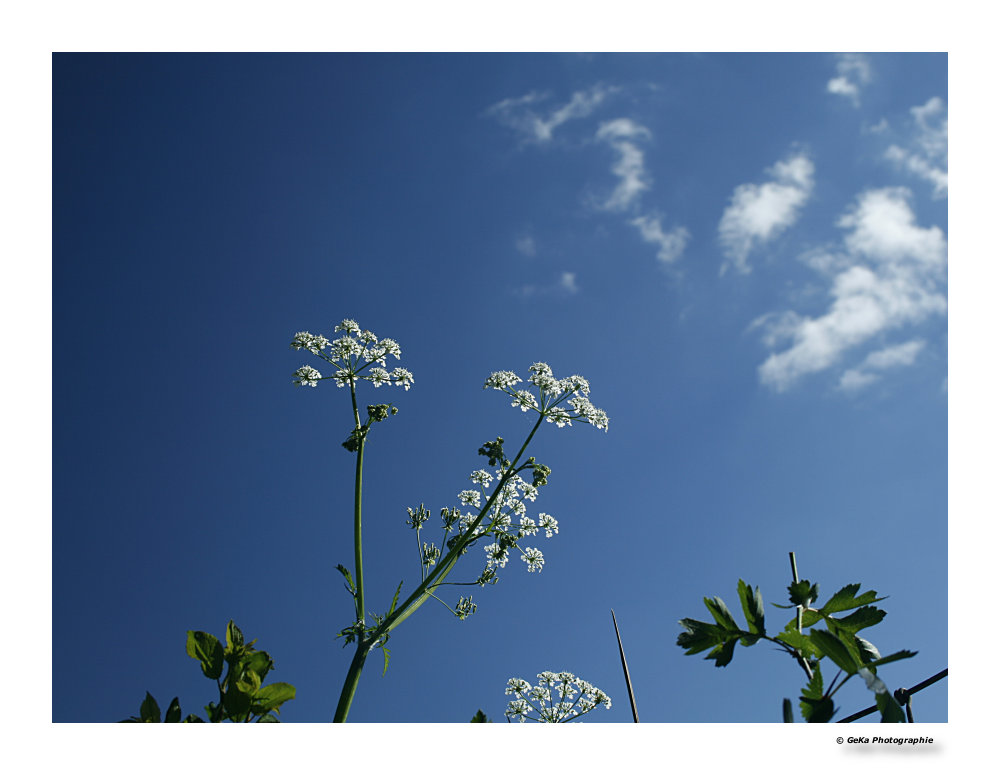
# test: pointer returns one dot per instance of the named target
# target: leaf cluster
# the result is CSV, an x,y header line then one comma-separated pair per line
x,y
243,698
843,615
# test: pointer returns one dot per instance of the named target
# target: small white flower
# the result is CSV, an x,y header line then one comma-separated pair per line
x,y
402,378
348,326
500,380
550,525
495,556
534,558
469,497
528,527
307,375
525,400
481,477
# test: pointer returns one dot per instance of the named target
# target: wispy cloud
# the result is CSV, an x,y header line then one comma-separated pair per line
x,y
538,126
898,356
759,213
853,72
670,243
563,285
891,275
525,245
622,135
927,156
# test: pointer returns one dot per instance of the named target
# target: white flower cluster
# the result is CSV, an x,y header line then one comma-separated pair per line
x,y
572,392
352,353
558,698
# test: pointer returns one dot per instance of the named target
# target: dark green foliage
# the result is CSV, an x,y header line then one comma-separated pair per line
x,y
242,696
480,717
837,641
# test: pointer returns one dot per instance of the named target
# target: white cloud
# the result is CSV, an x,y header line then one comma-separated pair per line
x,y
671,244
898,356
927,156
759,213
567,281
853,72
622,134
895,278
518,113
525,245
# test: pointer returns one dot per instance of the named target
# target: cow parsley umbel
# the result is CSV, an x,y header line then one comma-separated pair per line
x,y
559,697
494,514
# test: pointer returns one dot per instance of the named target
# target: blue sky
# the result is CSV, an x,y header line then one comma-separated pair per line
x,y
746,255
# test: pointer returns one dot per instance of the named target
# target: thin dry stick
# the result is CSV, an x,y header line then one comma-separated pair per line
x,y
628,680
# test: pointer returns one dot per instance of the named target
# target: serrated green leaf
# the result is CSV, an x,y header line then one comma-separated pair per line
x,y
208,650
846,599
861,618
831,646
699,635
149,710
385,662
898,656
753,607
817,710
802,593
723,653
814,688
173,712
395,597
350,581
480,717
721,614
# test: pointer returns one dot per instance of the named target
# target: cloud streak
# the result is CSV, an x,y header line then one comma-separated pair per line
x,y
927,156
757,214
520,115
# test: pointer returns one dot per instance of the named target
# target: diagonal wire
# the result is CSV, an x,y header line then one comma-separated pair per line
x,y
905,695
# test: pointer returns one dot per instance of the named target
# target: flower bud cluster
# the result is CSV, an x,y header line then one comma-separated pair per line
x,y
558,698
350,354
560,401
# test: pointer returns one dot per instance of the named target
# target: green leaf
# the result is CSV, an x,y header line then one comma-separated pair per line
x,y
234,637
802,593
149,710
480,717
846,599
830,645
236,703
272,696
214,711
173,712
699,635
800,642
861,618
395,598
723,654
890,709
385,662
350,581
208,650
753,607
268,719
260,662
869,652
248,682
786,711
817,710
721,614
192,718
898,656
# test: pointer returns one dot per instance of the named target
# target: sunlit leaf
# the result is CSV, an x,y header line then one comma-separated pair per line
x,y
208,650
753,607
